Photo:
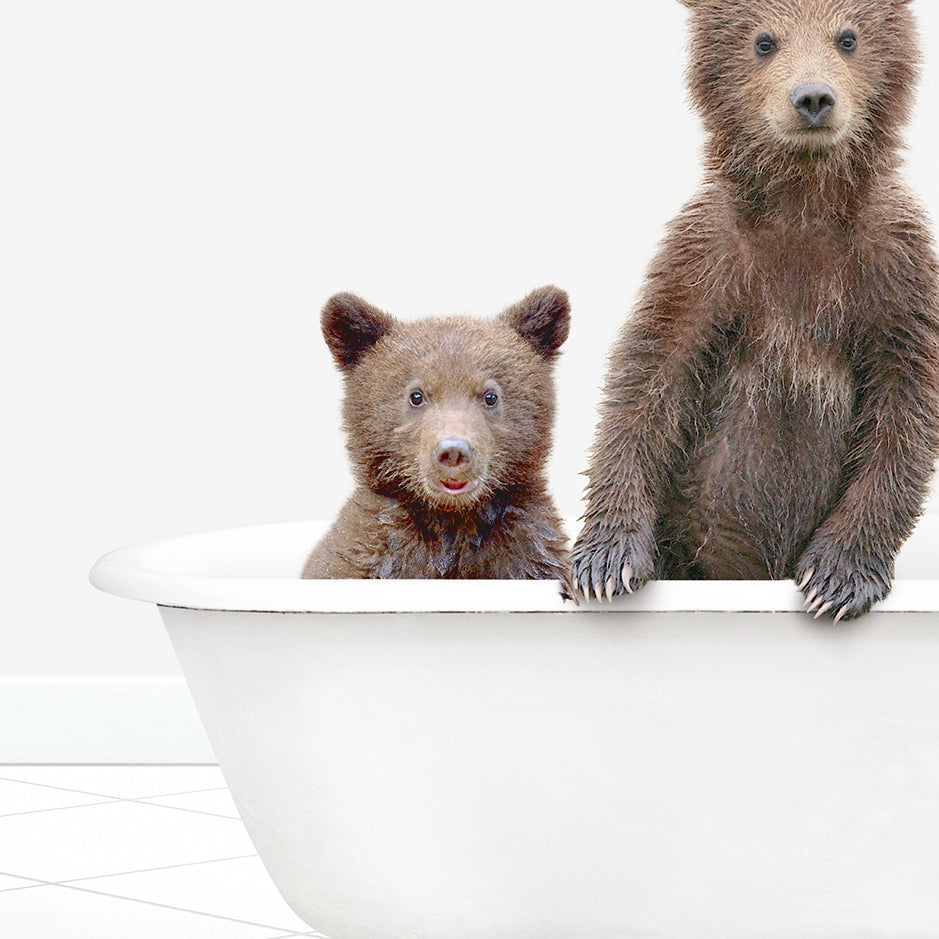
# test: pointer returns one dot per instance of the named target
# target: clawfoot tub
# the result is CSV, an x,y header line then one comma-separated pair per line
x,y
482,760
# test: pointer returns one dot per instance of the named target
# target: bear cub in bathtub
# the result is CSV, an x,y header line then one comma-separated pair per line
x,y
771,408
448,424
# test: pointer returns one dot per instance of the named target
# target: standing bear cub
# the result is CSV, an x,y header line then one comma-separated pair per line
x,y
771,407
449,428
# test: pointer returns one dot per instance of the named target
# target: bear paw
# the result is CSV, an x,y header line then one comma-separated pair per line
x,y
611,563
840,582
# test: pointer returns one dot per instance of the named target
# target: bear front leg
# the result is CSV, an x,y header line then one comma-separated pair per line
x,y
652,391
848,564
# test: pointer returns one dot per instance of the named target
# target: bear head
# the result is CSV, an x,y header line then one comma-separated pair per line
x,y
784,82
448,413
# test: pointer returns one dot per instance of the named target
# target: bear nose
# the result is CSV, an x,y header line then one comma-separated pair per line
x,y
452,451
813,101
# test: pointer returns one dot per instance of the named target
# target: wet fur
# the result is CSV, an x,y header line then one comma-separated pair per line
x,y
396,524
771,407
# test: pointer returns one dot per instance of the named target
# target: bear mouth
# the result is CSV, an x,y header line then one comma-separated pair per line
x,y
821,137
820,130
456,487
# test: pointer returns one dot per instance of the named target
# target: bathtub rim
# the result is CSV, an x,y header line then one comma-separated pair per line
x,y
155,571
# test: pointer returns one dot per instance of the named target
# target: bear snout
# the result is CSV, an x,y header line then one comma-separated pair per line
x,y
453,451
813,101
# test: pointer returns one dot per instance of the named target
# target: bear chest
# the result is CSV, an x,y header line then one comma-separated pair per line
x,y
793,322
788,364
421,544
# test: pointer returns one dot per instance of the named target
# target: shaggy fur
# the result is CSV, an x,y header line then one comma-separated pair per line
x,y
771,408
449,427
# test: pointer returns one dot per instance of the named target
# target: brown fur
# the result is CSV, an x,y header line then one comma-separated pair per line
x,y
410,389
771,408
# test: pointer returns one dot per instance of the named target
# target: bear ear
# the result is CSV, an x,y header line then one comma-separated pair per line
x,y
542,319
351,327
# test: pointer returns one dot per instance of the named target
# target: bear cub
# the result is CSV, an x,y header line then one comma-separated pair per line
x,y
448,424
771,408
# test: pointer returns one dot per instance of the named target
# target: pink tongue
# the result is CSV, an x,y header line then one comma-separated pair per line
x,y
455,485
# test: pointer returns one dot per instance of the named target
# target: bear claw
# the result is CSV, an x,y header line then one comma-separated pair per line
x,y
627,578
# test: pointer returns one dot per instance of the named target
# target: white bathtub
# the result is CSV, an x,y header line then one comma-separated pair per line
x,y
479,760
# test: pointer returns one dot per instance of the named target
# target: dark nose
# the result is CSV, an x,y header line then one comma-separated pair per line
x,y
452,451
813,101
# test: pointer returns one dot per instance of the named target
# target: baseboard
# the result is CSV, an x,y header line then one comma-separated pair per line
x,y
100,720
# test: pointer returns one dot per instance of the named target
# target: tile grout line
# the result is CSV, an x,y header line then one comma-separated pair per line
x,y
166,906
312,934
145,870
6,890
39,882
170,795
295,935
101,795
303,935
80,792
62,808
180,808
33,882
117,801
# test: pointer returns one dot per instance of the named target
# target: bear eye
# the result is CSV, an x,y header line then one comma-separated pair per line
x,y
491,399
847,41
765,45
416,398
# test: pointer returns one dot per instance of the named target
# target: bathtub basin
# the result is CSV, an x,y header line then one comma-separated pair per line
x,y
482,760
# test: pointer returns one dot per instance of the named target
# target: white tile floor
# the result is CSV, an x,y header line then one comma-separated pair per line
x,y
149,852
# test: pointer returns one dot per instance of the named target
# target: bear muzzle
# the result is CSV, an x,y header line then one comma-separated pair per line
x,y
454,458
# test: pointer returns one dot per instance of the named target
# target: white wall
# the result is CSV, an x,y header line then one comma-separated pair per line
x,y
187,182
